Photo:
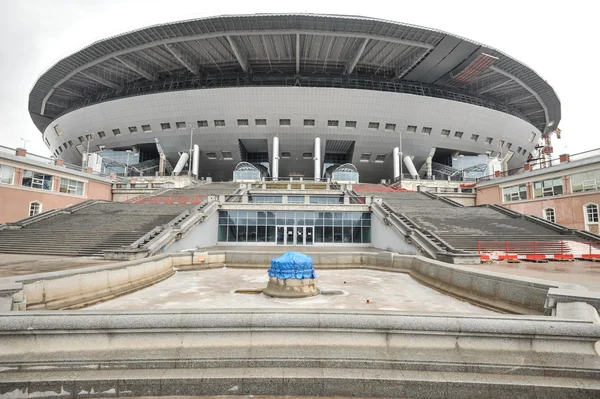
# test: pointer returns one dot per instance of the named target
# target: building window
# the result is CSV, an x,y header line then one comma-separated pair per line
x,y
390,126
211,155
445,132
547,188
202,123
57,130
165,126
474,137
374,125
411,129
531,137
242,122
380,158
70,143
227,155
101,134
519,150
426,130
307,155
286,154
81,140
71,186
260,122
489,140
514,193
219,122
351,124
365,157
146,128
458,135
508,145
285,122
132,129
6,174
116,132
309,122
501,143
180,125
585,181
35,207
333,123
549,215
591,213
37,180
524,151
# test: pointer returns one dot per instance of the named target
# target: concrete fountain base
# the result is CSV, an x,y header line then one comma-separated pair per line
x,y
291,288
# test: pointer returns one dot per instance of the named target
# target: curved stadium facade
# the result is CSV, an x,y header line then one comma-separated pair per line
x,y
232,84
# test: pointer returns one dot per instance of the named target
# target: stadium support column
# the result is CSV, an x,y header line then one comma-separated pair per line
x,y
181,163
317,159
396,154
196,161
275,164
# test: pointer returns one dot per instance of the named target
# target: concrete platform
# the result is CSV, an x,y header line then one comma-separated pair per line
x,y
362,290
21,265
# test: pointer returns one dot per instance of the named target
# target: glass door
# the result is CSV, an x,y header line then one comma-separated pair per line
x,y
308,235
280,235
289,235
299,235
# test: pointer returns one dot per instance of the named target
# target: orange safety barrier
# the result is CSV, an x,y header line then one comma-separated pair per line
x,y
536,250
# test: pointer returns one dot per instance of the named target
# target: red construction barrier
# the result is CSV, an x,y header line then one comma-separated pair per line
x,y
537,250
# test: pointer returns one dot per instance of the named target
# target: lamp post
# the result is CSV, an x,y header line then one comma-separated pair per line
x,y
462,171
401,157
84,159
191,150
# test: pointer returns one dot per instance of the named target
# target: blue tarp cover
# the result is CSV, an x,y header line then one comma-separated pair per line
x,y
292,265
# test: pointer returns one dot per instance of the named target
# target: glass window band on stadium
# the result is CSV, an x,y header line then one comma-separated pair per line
x,y
295,227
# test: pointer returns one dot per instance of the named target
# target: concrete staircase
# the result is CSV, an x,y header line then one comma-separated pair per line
x,y
463,227
88,231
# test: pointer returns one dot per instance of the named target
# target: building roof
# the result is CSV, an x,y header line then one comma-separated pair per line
x,y
293,49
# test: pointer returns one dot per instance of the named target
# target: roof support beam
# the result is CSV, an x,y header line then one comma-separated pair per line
x,y
297,53
409,67
493,86
220,34
535,112
352,64
136,68
100,79
238,54
179,56
520,98
529,89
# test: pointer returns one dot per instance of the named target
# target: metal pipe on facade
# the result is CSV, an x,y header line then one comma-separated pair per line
x,y
396,156
196,160
410,166
275,165
317,159
181,163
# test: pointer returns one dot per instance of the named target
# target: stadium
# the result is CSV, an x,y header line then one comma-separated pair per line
x,y
328,90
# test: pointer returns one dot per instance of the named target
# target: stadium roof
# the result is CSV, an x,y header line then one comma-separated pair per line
x,y
293,49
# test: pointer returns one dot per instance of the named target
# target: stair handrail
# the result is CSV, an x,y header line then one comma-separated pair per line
x,y
47,214
443,199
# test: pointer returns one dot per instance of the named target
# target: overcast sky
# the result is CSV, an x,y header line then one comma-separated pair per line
x,y
557,39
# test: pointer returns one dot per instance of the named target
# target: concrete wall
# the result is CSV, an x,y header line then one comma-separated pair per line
x,y
389,239
203,235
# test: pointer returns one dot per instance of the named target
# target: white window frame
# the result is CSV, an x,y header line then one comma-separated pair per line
x,y
39,209
33,180
71,188
549,191
545,214
12,174
516,196
586,219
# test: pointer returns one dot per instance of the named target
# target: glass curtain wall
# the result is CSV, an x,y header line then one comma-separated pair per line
x,y
329,227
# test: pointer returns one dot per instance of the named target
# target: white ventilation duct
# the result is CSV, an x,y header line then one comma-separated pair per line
x,y
196,160
317,158
275,166
181,163
410,166
396,156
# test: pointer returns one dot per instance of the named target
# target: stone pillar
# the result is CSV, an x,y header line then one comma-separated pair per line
x,y
88,170
59,162
527,167
21,152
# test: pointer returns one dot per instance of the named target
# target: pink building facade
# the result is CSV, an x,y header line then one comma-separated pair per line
x,y
30,185
567,194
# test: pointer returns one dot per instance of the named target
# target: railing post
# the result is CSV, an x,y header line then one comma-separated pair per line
x,y
507,247
562,249
534,248
590,244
